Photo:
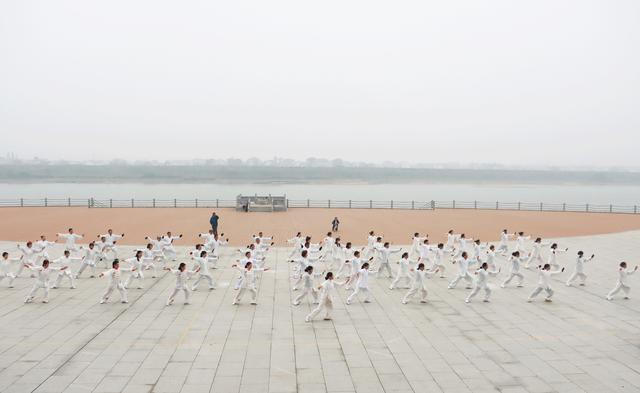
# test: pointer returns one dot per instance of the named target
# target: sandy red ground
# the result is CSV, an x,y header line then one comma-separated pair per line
x,y
397,226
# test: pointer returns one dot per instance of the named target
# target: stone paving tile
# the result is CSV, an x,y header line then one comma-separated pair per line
x,y
578,343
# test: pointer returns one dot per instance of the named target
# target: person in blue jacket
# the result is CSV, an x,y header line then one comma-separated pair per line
x,y
214,222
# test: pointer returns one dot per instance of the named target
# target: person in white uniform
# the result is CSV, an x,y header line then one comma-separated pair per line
x,y
384,255
451,241
463,271
43,245
579,270
70,239
203,271
403,272
553,255
419,284
138,264
503,246
482,276
536,253
5,268
438,261
89,259
327,290
416,240
43,280
182,276
167,245
362,285
248,282
30,256
515,259
544,278
296,243
110,242
65,260
115,282
622,284
307,287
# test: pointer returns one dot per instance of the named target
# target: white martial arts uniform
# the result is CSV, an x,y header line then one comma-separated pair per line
x,y
43,246
137,274
368,250
70,241
536,254
463,247
415,242
451,242
553,257
383,256
115,282
307,289
247,283
89,259
503,246
362,286
622,284
110,243
150,259
403,273
42,281
438,262
297,243
579,272
355,269
491,260
65,261
481,283
30,257
423,255
520,246
181,285
167,246
203,273
327,290
419,285
214,250
302,264
515,271
5,270
345,261
544,276
463,273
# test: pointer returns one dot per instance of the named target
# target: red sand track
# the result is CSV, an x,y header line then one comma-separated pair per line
x,y
21,224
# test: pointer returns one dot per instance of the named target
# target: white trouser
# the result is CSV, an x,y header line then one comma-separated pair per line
x,y
135,275
151,263
353,278
294,252
356,291
175,292
170,252
203,277
575,275
400,276
325,304
36,286
385,266
441,268
412,292
298,282
539,289
531,259
254,294
21,267
459,277
306,291
107,293
61,275
343,266
9,276
477,288
511,277
84,266
502,248
111,248
620,287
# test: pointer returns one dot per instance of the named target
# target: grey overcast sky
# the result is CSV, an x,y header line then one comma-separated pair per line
x,y
511,82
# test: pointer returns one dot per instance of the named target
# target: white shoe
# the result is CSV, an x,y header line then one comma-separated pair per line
x,y
234,303
124,301
609,298
466,300
367,301
449,287
626,298
486,300
254,302
186,303
348,303
391,287
307,319
404,302
502,285
519,285
529,300
296,303
423,301
45,301
54,287
212,288
548,300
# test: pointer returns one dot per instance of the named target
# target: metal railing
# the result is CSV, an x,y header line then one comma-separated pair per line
x,y
321,203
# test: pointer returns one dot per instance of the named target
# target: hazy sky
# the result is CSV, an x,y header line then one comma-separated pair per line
x,y
526,82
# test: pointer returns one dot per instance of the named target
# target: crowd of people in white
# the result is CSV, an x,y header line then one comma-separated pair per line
x,y
317,268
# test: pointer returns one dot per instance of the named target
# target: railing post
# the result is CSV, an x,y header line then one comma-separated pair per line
x,y
196,202
110,202
564,207
413,205
349,203
518,205
497,205
154,202
392,203
635,209
45,202
69,202
132,203
308,202
540,206
89,203
611,208
433,204
287,202
370,204
454,204
175,202
329,203
217,203
475,204
587,208
21,202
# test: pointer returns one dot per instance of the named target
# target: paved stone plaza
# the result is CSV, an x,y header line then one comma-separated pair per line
x,y
580,342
